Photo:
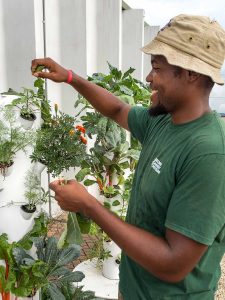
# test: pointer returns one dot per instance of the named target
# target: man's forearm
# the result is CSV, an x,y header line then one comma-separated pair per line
x,y
170,258
102,100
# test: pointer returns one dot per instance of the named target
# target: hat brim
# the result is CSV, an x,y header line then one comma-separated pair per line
x,y
181,59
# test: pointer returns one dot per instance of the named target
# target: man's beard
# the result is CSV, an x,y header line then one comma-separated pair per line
x,y
157,110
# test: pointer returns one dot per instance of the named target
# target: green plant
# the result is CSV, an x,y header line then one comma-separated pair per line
x,y
59,144
46,114
21,279
112,157
23,275
97,250
72,233
111,154
123,85
12,139
28,101
34,193
59,278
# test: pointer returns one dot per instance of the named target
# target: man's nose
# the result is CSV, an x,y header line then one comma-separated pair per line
x,y
149,77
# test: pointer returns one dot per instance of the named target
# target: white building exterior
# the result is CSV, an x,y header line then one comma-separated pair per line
x,y
82,35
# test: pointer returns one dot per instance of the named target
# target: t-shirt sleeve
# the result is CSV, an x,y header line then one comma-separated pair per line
x,y
138,119
197,206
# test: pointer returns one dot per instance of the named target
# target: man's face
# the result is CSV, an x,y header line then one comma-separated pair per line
x,y
165,83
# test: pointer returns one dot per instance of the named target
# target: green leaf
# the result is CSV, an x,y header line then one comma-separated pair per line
x,y
116,203
59,272
114,71
40,268
39,68
84,295
2,276
124,147
20,256
11,280
133,154
124,165
73,235
10,92
81,174
39,83
40,246
5,247
67,255
76,276
84,223
89,182
50,251
39,229
126,90
127,99
68,290
113,138
54,292
107,205
62,240
128,72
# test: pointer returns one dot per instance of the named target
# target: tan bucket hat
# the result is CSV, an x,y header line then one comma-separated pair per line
x,y
193,43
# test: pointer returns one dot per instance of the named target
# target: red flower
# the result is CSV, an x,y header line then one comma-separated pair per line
x,y
83,139
81,128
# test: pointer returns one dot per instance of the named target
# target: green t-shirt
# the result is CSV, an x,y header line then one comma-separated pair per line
x,y
179,184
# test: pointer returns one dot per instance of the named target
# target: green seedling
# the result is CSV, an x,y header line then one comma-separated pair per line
x,y
63,181
39,68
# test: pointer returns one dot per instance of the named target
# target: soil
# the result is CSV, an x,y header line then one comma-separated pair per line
x,y
28,117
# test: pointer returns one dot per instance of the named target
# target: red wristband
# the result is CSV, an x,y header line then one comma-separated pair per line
x,y
69,76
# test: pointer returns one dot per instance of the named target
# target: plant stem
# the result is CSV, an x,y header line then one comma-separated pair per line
x,y
109,177
49,198
6,296
27,101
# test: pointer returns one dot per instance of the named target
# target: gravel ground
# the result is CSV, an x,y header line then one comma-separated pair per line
x,y
220,295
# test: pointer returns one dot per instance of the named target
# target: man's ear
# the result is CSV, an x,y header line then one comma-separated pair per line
x,y
193,76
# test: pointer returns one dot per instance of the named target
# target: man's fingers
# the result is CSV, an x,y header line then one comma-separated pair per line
x,y
43,75
54,185
41,61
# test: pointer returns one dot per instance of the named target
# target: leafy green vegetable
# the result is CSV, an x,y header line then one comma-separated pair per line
x,y
72,233
39,68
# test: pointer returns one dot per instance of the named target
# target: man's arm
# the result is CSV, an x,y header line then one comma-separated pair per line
x,y
102,100
170,258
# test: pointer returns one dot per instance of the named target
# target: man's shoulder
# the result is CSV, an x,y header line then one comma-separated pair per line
x,y
208,136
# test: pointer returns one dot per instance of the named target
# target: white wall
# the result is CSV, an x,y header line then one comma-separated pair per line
x,y
133,40
149,33
82,35
17,40
108,26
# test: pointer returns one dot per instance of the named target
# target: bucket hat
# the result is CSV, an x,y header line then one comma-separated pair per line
x,y
194,43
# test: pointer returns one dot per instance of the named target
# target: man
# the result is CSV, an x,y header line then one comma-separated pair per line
x,y
174,235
